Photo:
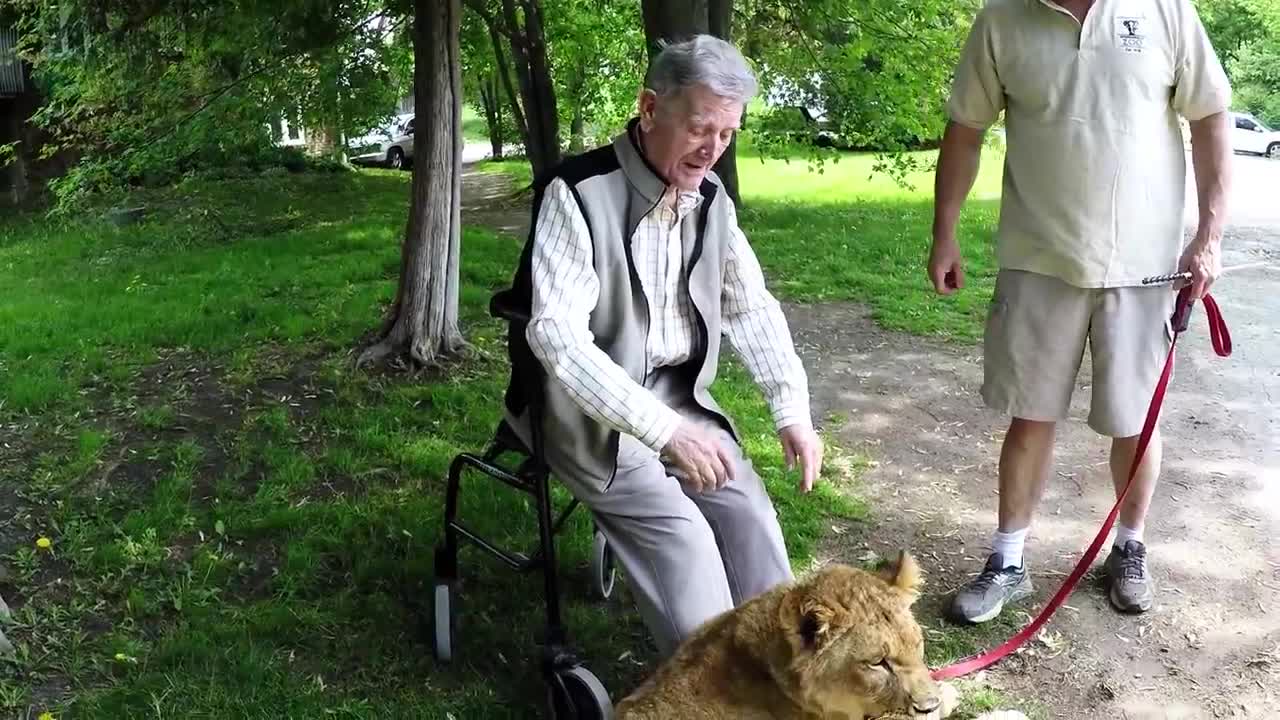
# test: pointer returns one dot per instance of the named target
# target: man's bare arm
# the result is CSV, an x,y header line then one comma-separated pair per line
x,y
957,169
1211,160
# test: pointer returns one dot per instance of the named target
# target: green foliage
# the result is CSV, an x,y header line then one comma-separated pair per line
x,y
481,73
598,48
146,94
1246,36
1257,80
879,70
1230,24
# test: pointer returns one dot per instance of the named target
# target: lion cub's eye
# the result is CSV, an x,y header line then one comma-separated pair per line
x,y
883,665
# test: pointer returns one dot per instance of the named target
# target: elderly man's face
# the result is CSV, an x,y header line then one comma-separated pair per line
x,y
684,134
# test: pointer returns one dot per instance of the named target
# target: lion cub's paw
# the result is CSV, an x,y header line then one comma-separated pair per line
x,y
948,700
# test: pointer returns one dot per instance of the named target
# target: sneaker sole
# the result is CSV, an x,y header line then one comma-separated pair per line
x,y
1134,609
1018,593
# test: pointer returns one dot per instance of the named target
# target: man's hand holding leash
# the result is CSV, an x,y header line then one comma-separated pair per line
x,y
1203,259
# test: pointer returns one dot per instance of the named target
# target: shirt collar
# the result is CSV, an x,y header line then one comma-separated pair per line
x,y
645,177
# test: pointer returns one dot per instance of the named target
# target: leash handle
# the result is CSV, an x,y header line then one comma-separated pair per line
x,y
1182,310
1219,335
1222,346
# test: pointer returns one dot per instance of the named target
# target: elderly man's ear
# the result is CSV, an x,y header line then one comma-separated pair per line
x,y
646,106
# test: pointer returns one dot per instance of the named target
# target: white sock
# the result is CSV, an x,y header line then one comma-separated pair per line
x,y
1008,545
1125,534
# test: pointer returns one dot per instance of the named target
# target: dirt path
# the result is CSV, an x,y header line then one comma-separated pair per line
x,y
1211,646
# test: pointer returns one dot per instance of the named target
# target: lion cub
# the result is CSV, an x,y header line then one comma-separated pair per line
x,y
841,643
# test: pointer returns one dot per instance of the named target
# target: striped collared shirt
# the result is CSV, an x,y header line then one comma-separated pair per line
x,y
565,289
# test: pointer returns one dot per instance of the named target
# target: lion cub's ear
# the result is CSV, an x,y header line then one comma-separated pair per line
x,y
805,618
904,575
815,621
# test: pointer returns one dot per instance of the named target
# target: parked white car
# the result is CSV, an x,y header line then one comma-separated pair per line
x,y
399,151
1249,135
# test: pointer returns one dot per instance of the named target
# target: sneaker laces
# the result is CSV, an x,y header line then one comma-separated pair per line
x,y
987,577
1133,562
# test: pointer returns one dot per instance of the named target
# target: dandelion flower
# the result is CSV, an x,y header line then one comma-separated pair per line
x,y
44,543
45,715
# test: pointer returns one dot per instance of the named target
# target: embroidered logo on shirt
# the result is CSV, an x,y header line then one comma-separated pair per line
x,y
1129,30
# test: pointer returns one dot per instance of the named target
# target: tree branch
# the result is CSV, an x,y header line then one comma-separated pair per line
x,y
493,22
211,97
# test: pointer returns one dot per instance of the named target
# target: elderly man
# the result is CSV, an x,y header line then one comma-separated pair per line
x,y
1092,203
634,268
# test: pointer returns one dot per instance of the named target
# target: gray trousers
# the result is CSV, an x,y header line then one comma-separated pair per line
x,y
687,556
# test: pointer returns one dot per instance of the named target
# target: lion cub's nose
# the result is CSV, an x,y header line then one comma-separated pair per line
x,y
926,705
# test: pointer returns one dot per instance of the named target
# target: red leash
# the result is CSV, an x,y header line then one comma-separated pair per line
x,y
1221,338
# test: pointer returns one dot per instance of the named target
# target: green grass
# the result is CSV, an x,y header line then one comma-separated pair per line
x,y
241,525
848,234
516,168
474,127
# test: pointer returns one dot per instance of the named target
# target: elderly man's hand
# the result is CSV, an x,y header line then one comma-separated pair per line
x,y
800,442
703,465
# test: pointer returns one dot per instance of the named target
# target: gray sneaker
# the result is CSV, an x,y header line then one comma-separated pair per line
x,y
1131,590
986,595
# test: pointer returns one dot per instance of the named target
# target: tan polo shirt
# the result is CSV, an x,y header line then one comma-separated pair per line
x,y
1095,168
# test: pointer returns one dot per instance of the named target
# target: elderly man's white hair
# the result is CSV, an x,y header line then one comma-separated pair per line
x,y
701,60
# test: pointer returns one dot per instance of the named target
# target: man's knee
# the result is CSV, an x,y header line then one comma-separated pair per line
x,y
1030,434
693,538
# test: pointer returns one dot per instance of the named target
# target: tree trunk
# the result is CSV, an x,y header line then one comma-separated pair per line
x,y
422,323
676,20
322,141
15,127
576,140
533,72
15,168
504,74
576,126
719,23
673,21
492,114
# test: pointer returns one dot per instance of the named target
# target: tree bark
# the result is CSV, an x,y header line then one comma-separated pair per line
x,y
577,142
15,115
533,72
676,20
673,21
492,114
15,168
422,323
719,23
504,74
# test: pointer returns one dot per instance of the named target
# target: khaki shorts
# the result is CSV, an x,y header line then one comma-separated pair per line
x,y
1034,343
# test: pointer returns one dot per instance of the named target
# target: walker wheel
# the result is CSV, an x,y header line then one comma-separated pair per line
x,y
442,625
576,694
603,570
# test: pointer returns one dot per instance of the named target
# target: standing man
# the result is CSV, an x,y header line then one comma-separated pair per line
x,y
634,270
1092,202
